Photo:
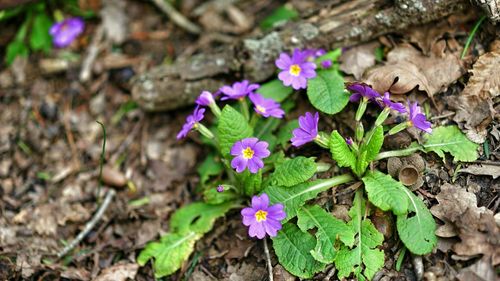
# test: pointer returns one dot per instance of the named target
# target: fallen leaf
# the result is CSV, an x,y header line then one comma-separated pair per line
x,y
114,20
482,270
475,103
486,170
407,69
76,274
119,272
357,59
475,226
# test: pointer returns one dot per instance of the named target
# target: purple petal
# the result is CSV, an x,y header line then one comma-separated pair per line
x,y
239,163
254,165
284,61
257,230
260,202
237,148
421,123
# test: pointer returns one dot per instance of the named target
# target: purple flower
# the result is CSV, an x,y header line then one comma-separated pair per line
x,y
249,153
326,64
263,218
238,90
386,102
205,98
295,70
349,141
266,107
191,121
220,188
360,90
417,118
307,131
64,32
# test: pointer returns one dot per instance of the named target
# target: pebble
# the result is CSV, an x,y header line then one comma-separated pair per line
x,y
113,177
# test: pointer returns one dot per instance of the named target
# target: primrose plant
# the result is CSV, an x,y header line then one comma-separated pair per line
x,y
249,139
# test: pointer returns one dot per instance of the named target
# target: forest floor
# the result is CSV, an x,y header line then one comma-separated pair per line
x,y
51,144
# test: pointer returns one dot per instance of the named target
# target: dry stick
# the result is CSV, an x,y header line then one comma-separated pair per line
x,y
88,227
268,258
93,51
177,17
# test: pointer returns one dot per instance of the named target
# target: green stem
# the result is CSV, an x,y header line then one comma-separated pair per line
x,y
338,180
204,131
101,162
322,140
397,153
361,109
215,109
471,36
322,167
244,109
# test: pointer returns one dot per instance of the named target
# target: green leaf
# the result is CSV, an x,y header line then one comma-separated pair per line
x,y
40,38
328,229
9,13
187,225
232,127
168,254
209,167
296,196
326,91
285,132
293,248
251,183
275,90
365,251
331,55
450,139
386,193
14,49
281,14
417,228
341,151
294,171
361,164
198,217
373,146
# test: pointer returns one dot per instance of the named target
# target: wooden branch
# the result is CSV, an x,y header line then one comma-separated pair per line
x,y
333,24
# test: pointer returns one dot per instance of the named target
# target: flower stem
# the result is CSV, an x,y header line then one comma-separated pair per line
x,y
215,109
204,131
244,108
398,153
361,109
322,140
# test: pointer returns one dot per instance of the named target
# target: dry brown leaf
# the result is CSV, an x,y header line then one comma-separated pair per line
x,y
356,60
119,272
407,69
486,170
482,270
476,227
475,103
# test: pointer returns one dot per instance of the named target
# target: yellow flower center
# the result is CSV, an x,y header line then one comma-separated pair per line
x,y
295,70
260,215
248,153
260,109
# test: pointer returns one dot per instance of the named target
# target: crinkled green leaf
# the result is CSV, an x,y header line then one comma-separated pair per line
x,y
341,151
293,171
365,252
296,196
450,139
232,127
209,167
361,163
416,229
386,192
168,254
293,248
251,183
285,132
187,225
328,228
374,144
326,91
275,90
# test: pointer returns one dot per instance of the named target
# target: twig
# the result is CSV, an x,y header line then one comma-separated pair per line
x,y
88,227
268,258
93,51
177,17
69,136
101,162
330,274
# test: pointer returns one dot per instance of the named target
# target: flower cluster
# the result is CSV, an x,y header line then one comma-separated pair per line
x,y
365,93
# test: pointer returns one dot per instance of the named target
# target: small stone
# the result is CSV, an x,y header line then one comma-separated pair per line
x,y
113,177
